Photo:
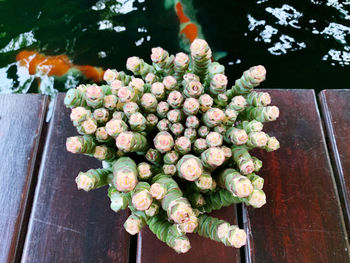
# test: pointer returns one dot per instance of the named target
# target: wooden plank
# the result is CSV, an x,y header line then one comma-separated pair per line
x,y
203,250
68,225
301,221
336,113
21,120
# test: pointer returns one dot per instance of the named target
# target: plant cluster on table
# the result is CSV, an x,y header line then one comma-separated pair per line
x,y
175,142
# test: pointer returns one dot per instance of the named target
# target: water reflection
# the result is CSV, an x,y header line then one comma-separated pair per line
x,y
105,32
337,31
286,15
280,43
340,7
23,40
115,7
285,43
342,57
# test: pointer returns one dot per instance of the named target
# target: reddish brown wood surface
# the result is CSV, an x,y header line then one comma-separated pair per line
x,y
67,225
21,120
302,220
151,250
336,113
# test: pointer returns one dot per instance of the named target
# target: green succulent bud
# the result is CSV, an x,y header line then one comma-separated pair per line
x,y
272,144
262,114
203,131
192,122
92,179
154,156
162,109
144,171
257,181
201,58
175,99
249,80
101,115
163,125
74,98
258,98
110,102
130,108
257,164
104,153
191,133
177,128
80,114
200,145
80,144
171,157
139,67
158,90
182,145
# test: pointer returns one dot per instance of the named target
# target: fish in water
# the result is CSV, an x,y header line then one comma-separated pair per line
x,y
58,66
190,29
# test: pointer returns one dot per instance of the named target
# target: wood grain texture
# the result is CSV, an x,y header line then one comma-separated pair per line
x,y
152,250
301,221
336,113
21,120
68,225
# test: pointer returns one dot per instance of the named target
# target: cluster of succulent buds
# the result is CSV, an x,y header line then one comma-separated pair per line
x,y
175,143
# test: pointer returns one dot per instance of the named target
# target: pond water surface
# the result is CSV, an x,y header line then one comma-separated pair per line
x,y
303,44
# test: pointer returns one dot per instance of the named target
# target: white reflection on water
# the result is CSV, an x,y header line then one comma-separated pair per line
x,y
119,28
261,1
102,54
289,16
340,7
238,61
24,80
139,42
100,5
286,42
104,24
23,40
286,15
253,23
316,2
142,29
338,31
342,57
6,83
116,7
108,25
123,7
269,34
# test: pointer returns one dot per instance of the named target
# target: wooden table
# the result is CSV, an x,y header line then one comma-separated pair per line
x,y
44,218
336,112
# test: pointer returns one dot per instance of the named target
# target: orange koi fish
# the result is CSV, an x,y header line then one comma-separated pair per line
x,y
190,29
58,66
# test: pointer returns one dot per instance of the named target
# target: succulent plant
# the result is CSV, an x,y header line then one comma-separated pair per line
x,y
176,142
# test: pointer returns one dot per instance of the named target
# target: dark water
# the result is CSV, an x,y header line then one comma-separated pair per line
x,y
303,44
